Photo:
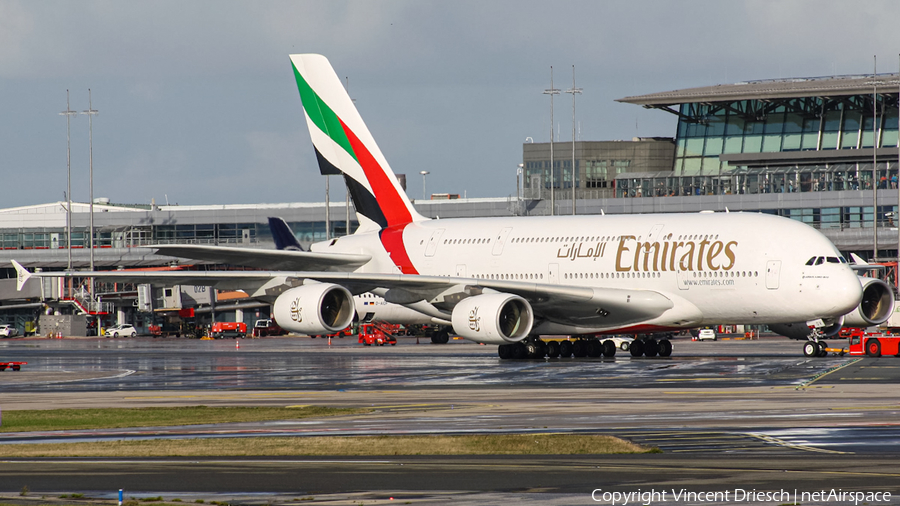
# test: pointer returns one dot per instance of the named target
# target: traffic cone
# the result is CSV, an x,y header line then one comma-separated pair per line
x,y
237,345
329,340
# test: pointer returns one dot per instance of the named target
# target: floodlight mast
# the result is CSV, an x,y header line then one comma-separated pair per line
x,y
551,91
91,112
68,113
574,91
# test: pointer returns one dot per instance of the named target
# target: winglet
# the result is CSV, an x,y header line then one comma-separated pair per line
x,y
22,275
281,233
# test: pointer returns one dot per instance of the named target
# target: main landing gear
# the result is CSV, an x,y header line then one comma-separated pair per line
x,y
533,347
815,349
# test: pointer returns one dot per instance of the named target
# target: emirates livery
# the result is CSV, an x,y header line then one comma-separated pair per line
x,y
508,281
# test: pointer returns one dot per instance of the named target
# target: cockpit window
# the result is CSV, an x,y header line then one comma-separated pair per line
x,y
820,260
833,260
811,261
842,259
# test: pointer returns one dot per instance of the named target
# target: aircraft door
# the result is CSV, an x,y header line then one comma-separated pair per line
x,y
773,273
501,240
553,274
655,232
433,242
681,278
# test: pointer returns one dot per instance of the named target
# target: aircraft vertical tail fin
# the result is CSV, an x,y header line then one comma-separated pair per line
x,y
283,236
344,146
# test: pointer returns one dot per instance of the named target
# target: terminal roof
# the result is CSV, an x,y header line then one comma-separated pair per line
x,y
768,89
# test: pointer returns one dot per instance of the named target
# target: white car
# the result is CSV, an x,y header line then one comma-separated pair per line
x,y
8,331
121,330
706,334
622,342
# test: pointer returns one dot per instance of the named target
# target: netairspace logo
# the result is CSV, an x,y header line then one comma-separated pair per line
x,y
737,495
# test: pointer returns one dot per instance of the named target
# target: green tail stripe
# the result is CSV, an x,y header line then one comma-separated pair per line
x,y
322,115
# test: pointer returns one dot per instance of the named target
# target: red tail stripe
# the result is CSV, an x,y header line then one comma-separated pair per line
x,y
392,239
392,205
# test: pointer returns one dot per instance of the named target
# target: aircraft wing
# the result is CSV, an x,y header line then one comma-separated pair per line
x,y
576,305
591,307
287,260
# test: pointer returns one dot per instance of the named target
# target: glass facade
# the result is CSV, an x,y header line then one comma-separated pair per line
x,y
222,233
706,131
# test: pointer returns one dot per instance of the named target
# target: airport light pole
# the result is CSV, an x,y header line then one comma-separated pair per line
x,y
91,112
68,113
424,173
520,176
327,208
551,91
574,91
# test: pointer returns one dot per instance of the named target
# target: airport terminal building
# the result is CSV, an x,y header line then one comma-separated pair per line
x,y
818,150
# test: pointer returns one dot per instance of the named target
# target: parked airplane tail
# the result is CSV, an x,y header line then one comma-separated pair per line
x,y
344,146
283,236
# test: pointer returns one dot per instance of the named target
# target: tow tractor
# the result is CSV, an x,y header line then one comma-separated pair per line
x,y
15,366
377,333
873,344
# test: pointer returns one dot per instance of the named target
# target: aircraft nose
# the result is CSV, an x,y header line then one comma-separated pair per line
x,y
846,293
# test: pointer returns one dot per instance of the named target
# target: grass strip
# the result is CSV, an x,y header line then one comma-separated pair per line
x,y
518,444
115,418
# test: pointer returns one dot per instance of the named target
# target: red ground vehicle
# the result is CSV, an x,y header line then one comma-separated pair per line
x,y
341,333
267,327
15,366
228,329
377,333
874,344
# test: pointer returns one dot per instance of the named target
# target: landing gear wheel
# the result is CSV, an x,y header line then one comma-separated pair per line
x,y
505,351
651,348
637,348
609,348
553,349
565,349
822,352
519,351
810,349
665,348
579,348
534,350
873,348
440,336
594,348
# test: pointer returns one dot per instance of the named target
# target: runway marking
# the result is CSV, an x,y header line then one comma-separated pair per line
x,y
781,442
821,375
692,379
867,407
713,392
245,395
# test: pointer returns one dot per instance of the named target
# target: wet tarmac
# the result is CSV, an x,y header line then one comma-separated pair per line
x,y
313,364
761,401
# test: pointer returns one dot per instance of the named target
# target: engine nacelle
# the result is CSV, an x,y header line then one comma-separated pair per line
x,y
320,308
493,318
876,306
802,331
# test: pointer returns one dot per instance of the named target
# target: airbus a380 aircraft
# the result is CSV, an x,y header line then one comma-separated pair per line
x,y
507,281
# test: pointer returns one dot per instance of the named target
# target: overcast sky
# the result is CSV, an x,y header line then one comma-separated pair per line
x,y
197,102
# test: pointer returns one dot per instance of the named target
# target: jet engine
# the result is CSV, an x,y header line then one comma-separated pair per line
x,y
876,306
494,318
319,308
